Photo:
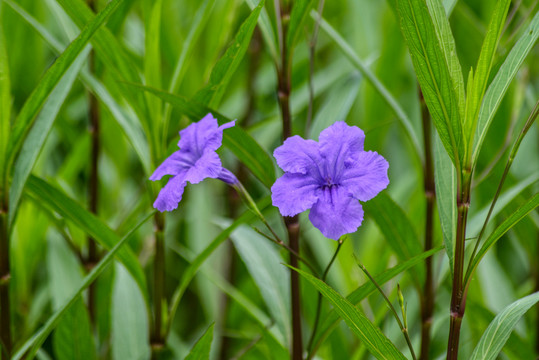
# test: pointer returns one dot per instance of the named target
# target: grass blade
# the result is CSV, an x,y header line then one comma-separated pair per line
x,y
498,87
222,72
33,104
88,222
299,13
5,106
497,333
32,345
266,29
377,343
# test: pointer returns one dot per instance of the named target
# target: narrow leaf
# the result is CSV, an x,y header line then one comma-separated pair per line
x,y
51,78
377,343
236,139
432,74
5,105
498,87
265,28
87,221
497,333
368,288
201,350
445,180
484,65
38,134
511,221
225,68
129,318
299,13
32,345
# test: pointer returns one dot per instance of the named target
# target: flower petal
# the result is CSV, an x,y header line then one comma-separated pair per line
x,y
228,177
336,213
339,143
298,155
204,135
172,165
170,196
294,193
207,166
365,177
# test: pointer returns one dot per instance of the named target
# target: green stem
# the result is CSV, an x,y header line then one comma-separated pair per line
x,y
319,305
157,338
403,328
5,314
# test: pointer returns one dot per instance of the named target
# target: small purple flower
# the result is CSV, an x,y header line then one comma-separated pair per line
x,y
195,161
329,177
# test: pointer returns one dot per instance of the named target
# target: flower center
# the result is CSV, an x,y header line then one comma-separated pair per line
x,y
328,184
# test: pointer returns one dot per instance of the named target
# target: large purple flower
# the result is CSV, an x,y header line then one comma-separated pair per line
x,y
195,161
329,177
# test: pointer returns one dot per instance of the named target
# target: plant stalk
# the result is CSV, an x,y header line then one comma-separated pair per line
x,y
282,9
427,298
157,338
458,299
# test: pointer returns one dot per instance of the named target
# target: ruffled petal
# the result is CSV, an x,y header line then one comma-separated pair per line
x,y
365,177
172,165
298,155
336,213
204,135
170,196
207,166
339,143
294,193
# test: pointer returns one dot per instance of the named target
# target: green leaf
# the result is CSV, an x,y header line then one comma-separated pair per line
x,y
397,229
88,222
497,333
447,43
498,87
266,29
368,288
264,264
511,221
129,318
32,345
484,65
73,338
377,343
432,74
375,82
193,268
236,139
445,180
201,350
5,105
36,137
299,13
35,101
225,68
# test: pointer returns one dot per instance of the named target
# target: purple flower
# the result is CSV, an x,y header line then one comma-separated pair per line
x,y
195,161
329,177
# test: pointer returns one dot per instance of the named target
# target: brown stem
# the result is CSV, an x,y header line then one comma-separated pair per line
x,y
93,187
458,298
427,298
292,225
5,314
